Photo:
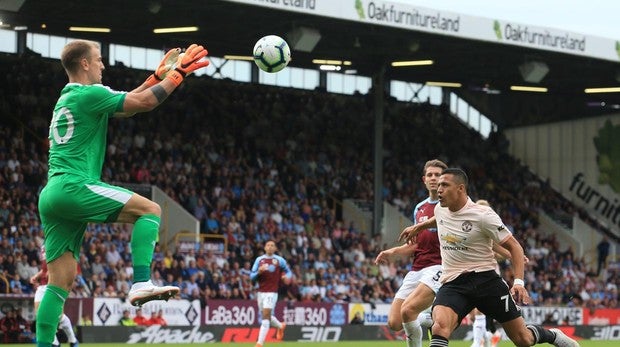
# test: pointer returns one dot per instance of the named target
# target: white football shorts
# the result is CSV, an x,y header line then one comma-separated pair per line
x,y
266,300
429,276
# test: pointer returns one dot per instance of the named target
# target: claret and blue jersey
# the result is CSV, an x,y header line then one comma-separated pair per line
x,y
427,253
269,280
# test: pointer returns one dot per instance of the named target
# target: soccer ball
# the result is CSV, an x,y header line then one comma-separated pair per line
x,y
271,53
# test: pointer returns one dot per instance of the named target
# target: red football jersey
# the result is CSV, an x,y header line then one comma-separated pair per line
x,y
428,252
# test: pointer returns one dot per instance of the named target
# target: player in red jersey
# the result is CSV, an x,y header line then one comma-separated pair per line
x,y
40,281
268,270
417,292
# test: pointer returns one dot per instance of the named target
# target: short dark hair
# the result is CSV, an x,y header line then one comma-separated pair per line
x,y
460,175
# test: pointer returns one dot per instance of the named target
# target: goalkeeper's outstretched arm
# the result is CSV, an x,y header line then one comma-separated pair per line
x,y
150,97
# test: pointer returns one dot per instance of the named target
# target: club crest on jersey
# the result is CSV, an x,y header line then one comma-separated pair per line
x,y
466,226
274,261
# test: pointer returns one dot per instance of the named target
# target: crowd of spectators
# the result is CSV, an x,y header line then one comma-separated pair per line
x,y
15,328
254,163
157,318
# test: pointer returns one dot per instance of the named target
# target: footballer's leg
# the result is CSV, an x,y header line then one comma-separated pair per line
x,y
419,300
145,215
63,241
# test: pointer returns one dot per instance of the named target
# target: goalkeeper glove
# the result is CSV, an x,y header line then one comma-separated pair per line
x,y
187,63
164,67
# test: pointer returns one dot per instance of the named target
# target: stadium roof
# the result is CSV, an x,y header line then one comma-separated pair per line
x,y
485,69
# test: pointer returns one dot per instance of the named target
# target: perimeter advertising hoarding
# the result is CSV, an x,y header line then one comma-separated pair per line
x,y
247,334
570,315
108,311
245,312
371,314
223,333
409,16
601,316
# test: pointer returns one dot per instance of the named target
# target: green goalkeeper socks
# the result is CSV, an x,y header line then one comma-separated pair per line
x,y
143,239
48,314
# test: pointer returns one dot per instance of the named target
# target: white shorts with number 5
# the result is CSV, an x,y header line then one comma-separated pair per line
x,y
266,300
429,276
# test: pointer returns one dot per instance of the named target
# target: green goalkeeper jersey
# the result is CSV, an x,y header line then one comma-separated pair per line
x,y
79,129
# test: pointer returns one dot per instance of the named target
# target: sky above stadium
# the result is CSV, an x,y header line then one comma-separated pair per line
x,y
592,17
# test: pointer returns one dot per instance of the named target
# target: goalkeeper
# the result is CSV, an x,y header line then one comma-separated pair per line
x,y
74,194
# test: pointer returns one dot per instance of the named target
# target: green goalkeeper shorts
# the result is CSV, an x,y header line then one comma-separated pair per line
x,y
68,203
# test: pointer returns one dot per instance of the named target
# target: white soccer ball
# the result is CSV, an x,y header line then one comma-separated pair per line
x,y
271,53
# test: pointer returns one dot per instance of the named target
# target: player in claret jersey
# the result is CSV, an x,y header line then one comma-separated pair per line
x,y
467,232
410,308
268,270
40,281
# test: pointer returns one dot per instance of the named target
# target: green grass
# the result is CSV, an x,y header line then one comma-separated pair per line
x,y
454,343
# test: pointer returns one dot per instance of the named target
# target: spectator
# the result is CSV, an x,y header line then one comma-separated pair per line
x,y
25,331
85,321
98,267
157,318
110,291
603,252
112,256
357,319
9,325
139,319
549,320
126,319
24,269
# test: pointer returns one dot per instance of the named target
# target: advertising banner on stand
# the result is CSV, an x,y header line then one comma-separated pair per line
x,y
151,334
312,314
108,311
561,315
330,333
602,316
371,314
223,333
245,312
231,312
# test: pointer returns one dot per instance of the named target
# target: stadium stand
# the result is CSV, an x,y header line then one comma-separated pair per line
x,y
254,163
